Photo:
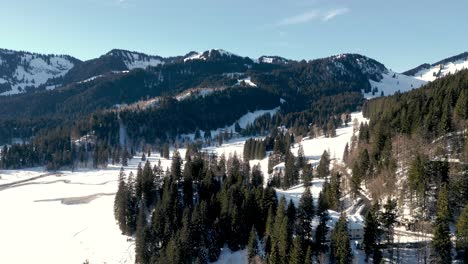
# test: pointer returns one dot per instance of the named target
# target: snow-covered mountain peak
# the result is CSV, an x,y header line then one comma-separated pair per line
x,y
273,60
212,55
382,81
136,60
430,72
20,71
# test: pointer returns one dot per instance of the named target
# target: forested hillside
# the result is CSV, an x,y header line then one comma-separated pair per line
x,y
415,150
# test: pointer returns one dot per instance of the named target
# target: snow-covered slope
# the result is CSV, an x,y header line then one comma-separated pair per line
x,y
273,60
22,70
215,55
431,72
136,60
392,82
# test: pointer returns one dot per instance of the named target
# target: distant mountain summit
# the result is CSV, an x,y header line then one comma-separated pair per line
x,y
430,72
23,71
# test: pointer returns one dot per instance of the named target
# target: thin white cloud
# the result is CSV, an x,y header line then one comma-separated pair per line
x,y
311,15
334,13
299,19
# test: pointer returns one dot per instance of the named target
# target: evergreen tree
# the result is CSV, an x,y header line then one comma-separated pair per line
x,y
297,254
441,240
341,249
305,216
252,247
462,234
371,231
176,171
346,153
308,256
301,160
322,228
291,174
142,254
389,219
323,169
121,203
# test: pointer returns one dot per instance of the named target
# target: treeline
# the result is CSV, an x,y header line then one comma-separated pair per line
x,y
187,215
56,149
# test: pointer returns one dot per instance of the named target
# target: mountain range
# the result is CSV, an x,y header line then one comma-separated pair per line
x,y
22,72
41,91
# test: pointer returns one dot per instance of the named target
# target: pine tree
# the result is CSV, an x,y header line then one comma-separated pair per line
x,y
132,205
389,219
301,160
257,176
441,240
305,216
274,257
323,169
462,234
371,231
291,175
120,203
176,171
142,255
297,254
322,228
252,247
341,250
308,256
346,153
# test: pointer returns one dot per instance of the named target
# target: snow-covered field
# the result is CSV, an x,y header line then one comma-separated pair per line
x,y
313,148
64,217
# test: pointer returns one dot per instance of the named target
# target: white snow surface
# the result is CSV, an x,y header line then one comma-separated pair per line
x,y
35,71
64,217
229,257
441,70
393,82
313,148
142,63
247,82
243,121
201,56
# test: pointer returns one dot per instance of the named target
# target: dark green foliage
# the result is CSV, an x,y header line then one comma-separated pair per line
x,y
371,231
462,234
297,254
254,149
323,169
428,110
389,219
332,192
252,246
340,247
441,240
305,214
291,172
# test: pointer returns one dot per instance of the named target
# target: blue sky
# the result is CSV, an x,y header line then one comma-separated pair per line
x,y
400,34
